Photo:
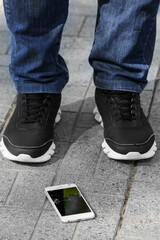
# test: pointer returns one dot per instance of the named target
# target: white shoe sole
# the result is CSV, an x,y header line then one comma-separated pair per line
x,y
130,155
25,158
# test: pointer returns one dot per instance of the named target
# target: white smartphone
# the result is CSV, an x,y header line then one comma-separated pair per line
x,y
69,203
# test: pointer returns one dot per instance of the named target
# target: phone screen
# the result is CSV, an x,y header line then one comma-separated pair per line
x,y
69,201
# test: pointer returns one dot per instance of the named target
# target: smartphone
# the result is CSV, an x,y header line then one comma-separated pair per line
x,y
69,203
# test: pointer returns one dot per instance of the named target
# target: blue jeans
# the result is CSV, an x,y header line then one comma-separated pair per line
x,y
121,54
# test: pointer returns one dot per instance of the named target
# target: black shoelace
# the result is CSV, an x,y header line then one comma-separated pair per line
x,y
34,107
124,105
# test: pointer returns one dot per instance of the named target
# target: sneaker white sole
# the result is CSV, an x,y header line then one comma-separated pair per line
x,y
130,155
25,158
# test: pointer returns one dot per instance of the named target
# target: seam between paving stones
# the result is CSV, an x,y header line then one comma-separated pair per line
x,y
12,188
82,25
127,195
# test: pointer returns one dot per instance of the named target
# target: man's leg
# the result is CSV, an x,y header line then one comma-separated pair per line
x,y
39,74
121,56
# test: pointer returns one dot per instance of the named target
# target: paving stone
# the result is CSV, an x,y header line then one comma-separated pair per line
x,y
89,27
63,129
146,98
155,106
142,228
4,41
86,120
4,60
155,123
72,98
7,179
50,227
102,228
89,103
92,133
73,25
109,168
81,7
148,173
155,161
80,159
28,192
17,224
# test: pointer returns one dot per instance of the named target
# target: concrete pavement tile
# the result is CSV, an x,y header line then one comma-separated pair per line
x,y
143,207
17,224
101,228
3,25
147,229
64,128
93,134
129,238
148,173
89,27
146,98
82,7
145,190
69,43
72,98
28,192
4,60
88,105
5,38
73,25
50,227
155,123
7,179
109,168
81,159
155,113
86,120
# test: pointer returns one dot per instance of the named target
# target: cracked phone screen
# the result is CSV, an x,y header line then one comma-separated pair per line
x,y
69,201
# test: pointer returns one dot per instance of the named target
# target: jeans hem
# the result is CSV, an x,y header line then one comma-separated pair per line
x,y
120,85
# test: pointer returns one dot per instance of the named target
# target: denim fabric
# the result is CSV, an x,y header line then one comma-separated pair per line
x,y
36,27
121,53
124,43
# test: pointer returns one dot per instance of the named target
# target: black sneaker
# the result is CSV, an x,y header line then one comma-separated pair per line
x,y
127,132
28,136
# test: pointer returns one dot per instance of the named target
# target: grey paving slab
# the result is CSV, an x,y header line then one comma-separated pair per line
x,y
89,103
28,191
146,98
102,228
7,180
4,60
155,122
148,173
88,134
86,120
17,224
156,103
143,228
80,159
72,97
81,7
63,130
50,227
4,41
73,25
88,28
